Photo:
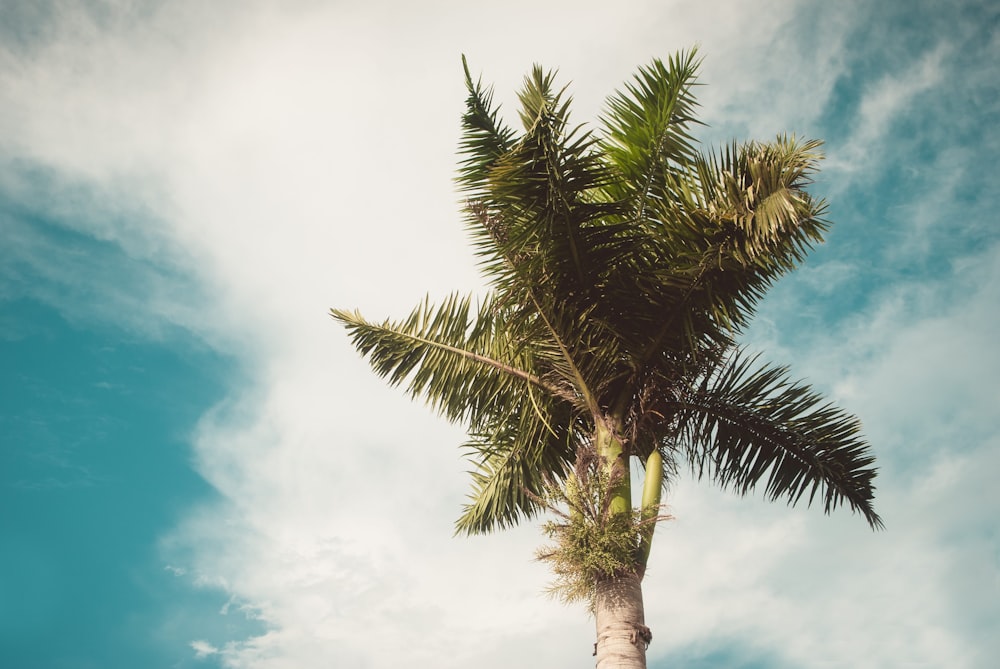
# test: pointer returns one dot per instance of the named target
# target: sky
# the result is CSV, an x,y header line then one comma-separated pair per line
x,y
198,471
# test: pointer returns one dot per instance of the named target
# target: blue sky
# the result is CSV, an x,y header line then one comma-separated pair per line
x,y
197,471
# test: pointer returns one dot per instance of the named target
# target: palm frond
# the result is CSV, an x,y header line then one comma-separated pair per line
x,y
484,138
646,129
735,223
543,230
544,189
466,369
759,190
514,457
743,423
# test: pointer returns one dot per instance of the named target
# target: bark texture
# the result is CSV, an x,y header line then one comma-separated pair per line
x,y
622,635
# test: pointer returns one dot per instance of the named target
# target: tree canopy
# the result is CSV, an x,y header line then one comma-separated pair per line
x,y
622,264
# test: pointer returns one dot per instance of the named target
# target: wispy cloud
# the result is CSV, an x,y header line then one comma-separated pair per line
x,y
882,104
203,649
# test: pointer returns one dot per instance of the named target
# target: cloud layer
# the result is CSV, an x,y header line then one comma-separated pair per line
x,y
259,163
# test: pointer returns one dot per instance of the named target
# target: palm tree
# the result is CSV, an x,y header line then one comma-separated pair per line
x,y
621,266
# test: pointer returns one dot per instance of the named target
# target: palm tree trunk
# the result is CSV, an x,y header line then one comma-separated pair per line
x,y
622,635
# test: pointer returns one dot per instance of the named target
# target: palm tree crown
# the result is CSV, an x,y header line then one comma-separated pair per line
x,y
622,265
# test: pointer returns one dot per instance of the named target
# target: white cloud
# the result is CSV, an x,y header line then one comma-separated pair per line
x,y
301,159
882,105
203,649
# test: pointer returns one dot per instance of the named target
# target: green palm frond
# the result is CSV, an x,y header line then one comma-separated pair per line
x,y
466,369
646,129
485,137
539,217
474,370
741,220
759,189
542,227
537,441
744,423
